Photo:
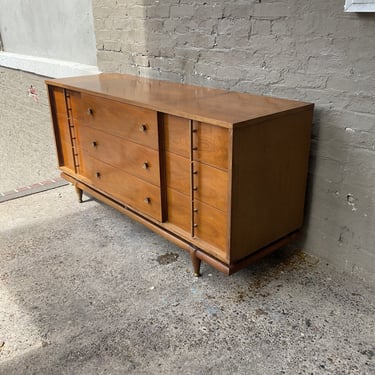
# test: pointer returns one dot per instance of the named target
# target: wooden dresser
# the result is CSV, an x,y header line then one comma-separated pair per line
x,y
221,174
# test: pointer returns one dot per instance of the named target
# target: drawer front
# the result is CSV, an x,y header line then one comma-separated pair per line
x,y
130,190
128,121
177,136
178,172
211,225
66,159
211,186
212,144
63,128
179,210
63,139
131,157
59,100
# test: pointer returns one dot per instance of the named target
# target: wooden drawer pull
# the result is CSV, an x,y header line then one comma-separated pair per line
x,y
94,143
147,200
143,128
97,174
90,111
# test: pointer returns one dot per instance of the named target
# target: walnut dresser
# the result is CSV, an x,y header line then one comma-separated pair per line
x,y
221,174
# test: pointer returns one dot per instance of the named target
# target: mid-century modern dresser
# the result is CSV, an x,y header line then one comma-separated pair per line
x,y
221,174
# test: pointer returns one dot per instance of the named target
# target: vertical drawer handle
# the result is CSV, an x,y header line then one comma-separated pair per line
x,y
90,111
147,200
143,128
94,143
97,174
146,165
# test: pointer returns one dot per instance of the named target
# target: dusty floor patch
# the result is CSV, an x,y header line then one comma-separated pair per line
x,y
167,258
87,296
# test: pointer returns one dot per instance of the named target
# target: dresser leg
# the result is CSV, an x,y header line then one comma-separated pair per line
x,y
196,263
79,193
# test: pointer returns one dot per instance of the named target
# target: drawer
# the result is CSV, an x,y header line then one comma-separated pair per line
x,y
177,135
130,190
211,186
63,128
66,158
58,100
212,144
179,210
131,157
128,121
178,172
211,225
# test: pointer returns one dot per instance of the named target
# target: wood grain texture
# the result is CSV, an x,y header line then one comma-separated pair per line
x,y
178,173
179,210
128,189
211,226
225,173
177,135
212,145
131,122
140,161
58,95
60,123
193,102
269,181
212,186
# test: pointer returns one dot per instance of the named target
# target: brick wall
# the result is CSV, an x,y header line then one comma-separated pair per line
x,y
27,150
300,49
307,50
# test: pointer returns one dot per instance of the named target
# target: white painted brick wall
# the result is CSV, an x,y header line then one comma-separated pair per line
x,y
307,50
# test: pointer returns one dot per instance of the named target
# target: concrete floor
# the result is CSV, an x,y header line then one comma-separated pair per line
x,y
85,290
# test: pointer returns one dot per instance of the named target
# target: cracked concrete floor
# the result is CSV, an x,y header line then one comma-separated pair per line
x,y
85,290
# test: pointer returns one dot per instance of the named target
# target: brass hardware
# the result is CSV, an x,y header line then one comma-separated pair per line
x,y
90,111
147,200
195,148
195,209
195,188
195,225
97,174
94,143
146,165
194,130
195,172
143,128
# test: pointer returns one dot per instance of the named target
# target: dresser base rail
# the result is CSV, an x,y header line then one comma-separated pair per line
x,y
197,254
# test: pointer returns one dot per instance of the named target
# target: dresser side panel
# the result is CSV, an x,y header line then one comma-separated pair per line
x,y
60,122
270,161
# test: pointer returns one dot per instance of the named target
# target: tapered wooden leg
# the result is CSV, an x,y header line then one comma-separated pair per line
x,y
79,193
196,264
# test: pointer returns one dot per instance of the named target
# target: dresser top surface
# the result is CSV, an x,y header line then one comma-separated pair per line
x,y
220,107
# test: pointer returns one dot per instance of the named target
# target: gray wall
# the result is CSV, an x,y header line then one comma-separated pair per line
x,y
300,49
58,29
27,149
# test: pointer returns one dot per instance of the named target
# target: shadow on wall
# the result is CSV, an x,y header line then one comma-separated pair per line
x,y
310,51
